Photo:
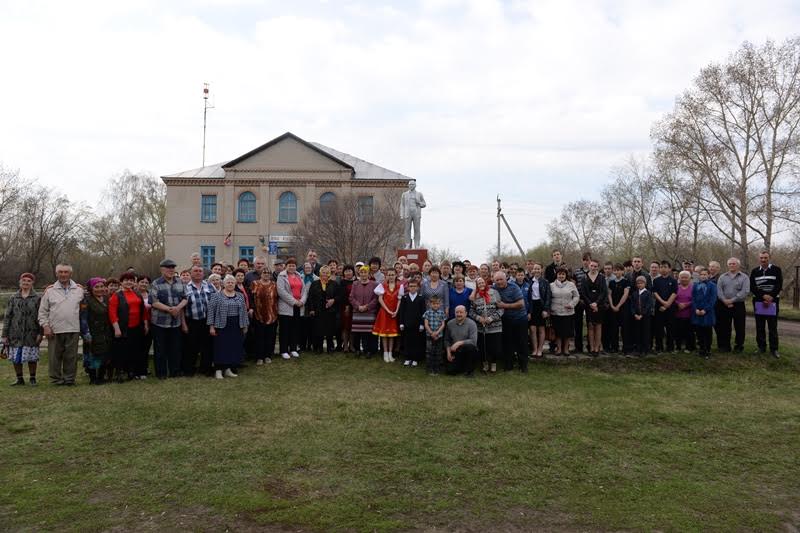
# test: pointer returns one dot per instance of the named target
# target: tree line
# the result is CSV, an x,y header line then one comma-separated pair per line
x,y
41,227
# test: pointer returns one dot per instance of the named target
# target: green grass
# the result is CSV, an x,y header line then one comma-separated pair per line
x,y
334,443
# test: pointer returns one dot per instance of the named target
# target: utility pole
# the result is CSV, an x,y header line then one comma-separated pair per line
x,y
501,216
498,226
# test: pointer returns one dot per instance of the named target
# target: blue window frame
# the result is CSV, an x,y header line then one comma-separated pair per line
x,y
246,207
365,208
247,252
208,253
208,208
287,208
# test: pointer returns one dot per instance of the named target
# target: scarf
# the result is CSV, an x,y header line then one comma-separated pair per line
x,y
485,294
308,278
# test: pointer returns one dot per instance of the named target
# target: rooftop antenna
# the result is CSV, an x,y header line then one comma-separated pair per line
x,y
206,107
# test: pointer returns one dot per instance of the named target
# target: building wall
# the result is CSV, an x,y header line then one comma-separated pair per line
x,y
186,233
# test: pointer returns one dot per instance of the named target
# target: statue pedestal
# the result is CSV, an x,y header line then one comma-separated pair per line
x,y
416,255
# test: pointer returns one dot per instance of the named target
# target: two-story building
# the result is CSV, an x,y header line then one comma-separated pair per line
x,y
249,206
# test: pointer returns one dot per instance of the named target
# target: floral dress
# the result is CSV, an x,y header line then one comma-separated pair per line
x,y
21,326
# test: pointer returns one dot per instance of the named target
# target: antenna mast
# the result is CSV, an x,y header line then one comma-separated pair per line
x,y
206,107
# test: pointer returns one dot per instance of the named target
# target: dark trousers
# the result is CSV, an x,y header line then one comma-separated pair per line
x,y
490,346
628,325
197,342
641,334
413,345
515,343
730,315
264,338
703,339
719,312
663,324
306,338
610,331
684,334
463,360
167,351
578,323
364,342
289,332
762,323
434,351
126,351
141,361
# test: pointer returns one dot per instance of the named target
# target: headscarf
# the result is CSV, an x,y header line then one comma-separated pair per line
x,y
27,275
485,293
94,281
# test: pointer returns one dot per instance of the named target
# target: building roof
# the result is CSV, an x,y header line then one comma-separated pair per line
x,y
210,171
361,169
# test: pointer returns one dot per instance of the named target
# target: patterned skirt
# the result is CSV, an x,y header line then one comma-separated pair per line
x,y
363,322
23,354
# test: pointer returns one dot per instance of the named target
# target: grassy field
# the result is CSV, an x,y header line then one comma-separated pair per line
x,y
337,444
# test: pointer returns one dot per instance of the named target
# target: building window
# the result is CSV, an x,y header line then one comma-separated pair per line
x,y
208,208
287,208
246,207
247,252
365,208
326,206
208,253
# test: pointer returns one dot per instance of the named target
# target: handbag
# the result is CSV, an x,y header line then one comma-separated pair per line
x,y
4,351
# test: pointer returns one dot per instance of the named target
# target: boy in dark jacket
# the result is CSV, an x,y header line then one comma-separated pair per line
x,y
642,311
412,325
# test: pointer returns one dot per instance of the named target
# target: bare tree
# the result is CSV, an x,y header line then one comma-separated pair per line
x,y
735,131
130,228
348,230
437,254
578,227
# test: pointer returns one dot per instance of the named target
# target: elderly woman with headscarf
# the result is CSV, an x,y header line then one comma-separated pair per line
x,y
22,333
227,321
97,333
365,306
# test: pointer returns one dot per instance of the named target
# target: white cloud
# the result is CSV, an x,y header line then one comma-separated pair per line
x,y
535,100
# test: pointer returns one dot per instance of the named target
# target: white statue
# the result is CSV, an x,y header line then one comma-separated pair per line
x,y
411,204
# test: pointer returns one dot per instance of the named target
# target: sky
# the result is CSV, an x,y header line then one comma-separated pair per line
x,y
533,100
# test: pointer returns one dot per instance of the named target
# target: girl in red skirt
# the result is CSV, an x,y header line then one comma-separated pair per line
x,y
389,293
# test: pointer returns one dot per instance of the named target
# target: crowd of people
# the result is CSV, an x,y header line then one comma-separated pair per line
x,y
454,318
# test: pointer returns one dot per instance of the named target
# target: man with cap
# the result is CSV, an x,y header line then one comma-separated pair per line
x,y
167,300
278,268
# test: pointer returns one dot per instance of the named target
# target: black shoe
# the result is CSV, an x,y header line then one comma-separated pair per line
x,y
775,354
32,381
738,349
20,381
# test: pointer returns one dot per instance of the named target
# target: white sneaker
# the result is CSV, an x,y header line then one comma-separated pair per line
x,y
295,354
413,363
142,377
285,355
407,362
385,358
267,360
259,362
391,359
229,373
218,374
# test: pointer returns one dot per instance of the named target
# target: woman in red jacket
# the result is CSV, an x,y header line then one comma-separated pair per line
x,y
129,317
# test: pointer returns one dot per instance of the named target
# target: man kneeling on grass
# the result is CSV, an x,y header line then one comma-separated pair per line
x,y
461,340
